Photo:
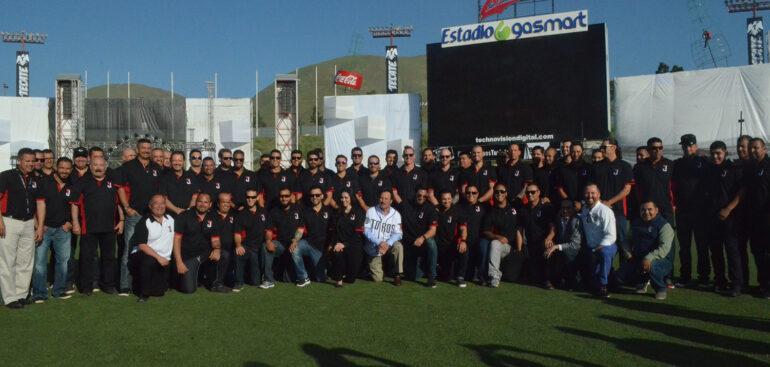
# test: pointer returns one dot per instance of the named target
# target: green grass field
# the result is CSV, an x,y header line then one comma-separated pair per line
x,y
369,324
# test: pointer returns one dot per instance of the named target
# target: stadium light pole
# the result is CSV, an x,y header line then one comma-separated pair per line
x,y
391,32
23,37
737,6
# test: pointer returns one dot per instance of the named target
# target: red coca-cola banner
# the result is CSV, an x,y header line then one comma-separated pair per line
x,y
349,79
492,7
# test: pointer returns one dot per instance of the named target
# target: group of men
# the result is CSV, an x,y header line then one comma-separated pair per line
x,y
151,225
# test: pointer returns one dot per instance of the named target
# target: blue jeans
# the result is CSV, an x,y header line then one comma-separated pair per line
x,y
478,263
268,258
631,272
128,232
60,241
250,259
428,251
304,249
601,264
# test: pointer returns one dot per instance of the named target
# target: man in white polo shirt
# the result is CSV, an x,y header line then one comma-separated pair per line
x,y
152,244
599,227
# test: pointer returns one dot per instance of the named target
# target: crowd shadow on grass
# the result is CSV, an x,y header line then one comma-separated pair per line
x,y
752,323
697,335
338,357
669,353
494,355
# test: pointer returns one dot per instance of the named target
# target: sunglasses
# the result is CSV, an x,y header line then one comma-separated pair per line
x,y
500,192
316,195
532,192
445,157
471,193
227,158
238,159
196,158
296,158
408,155
251,197
357,155
342,162
275,157
374,163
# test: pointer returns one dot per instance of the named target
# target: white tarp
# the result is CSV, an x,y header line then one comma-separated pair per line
x,y
226,111
706,103
399,113
23,123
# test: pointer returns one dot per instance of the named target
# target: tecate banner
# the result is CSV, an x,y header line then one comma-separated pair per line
x,y
516,28
755,34
22,74
349,79
391,69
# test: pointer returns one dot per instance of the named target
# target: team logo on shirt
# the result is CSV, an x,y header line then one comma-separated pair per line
x,y
421,215
513,211
478,209
649,229
700,164
187,181
33,184
665,168
283,178
321,180
67,193
724,173
451,178
109,184
379,183
155,173
615,172
262,217
248,179
208,224
231,220
414,177
296,216
515,174
347,184
585,172
352,217
539,213
449,220
761,172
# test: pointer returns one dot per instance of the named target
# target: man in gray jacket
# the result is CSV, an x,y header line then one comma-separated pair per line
x,y
566,242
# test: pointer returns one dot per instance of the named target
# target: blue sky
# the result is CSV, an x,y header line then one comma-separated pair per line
x,y
194,39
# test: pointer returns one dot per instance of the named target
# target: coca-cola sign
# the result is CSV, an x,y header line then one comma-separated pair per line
x,y
349,79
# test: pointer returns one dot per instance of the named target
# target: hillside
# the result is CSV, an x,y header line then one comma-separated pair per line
x,y
137,91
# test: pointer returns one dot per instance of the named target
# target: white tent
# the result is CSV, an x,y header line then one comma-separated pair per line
x,y
23,124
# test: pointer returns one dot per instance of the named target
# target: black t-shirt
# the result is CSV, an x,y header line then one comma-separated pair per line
x,y
449,223
612,178
247,180
440,180
474,218
687,182
537,222
349,228
142,181
481,178
757,185
216,185
19,192
318,226
543,177
273,183
179,189
57,202
503,222
307,179
283,224
349,182
654,183
251,226
371,188
97,201
223,227
573,177
417,219
515,178
190,227
408,182
722,184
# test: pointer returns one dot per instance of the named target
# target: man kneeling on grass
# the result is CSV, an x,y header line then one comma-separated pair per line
x,y
648,252
382,231
152,243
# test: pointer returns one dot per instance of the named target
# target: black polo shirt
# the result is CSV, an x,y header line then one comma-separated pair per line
x,y
97,201
515,177
307,179
417,219
537,222
273,183
190,227
318,226
612,178
573,177
349,182
179,189
392,173
19,192
687,183
479,177
247,180
57,202
349,228
75,176
440,180
283,224
251,226
408,182
474,219
721,185
449,224
543,178
757,185
223,227
362,171
503,222
143,181
654,182
216,185
371,188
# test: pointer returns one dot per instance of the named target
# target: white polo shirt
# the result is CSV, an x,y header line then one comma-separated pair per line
x,y
158,236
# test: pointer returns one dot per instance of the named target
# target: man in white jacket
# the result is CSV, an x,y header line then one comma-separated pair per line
x,y
599,227
382,230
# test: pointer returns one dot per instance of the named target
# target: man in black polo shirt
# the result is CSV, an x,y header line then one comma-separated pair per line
x,y
311,177
480,175
444,177
249,239
295,166
191,245
541,172
244,180
478,245
418,218
95,195
391,170
285,228
274,180
22,206
213,183
757,196
80,160
653,179
615,177
687,187
219,225
517,174
58,224
319,224
537,219
142,177
450,240
572,178
344,180
225,161
374,184
357,167
196,162
409,178
48,162
501,228
179,187
741,215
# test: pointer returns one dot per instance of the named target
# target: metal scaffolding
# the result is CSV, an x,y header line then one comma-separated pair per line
x,y
286,112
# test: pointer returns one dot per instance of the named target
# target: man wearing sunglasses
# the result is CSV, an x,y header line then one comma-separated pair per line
x,y
374,184
419,225
249,239
285,227
478,246
479,174
296,163
538,223
319,224
179,187
409,178
244,180
344,180
358,168
196,162
502,227
444,178
274,180
38,165
653,179
313,176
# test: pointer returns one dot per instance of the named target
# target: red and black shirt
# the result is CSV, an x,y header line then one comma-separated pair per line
x,y
449,224
349,228
251,226
57,202
417,219
144,181
19,193
318,226
503,222
283,223
97,201
371,188
179,189
222,227
190,227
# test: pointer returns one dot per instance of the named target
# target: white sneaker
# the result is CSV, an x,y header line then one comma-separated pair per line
x,y
267,285
643,289
303,283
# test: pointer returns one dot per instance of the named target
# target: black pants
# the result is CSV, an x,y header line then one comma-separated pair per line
x,y
347,263
188,282
687,224
759,238
741,233
148,276
723,240
542,269
251,261
89,243
217,271
451,263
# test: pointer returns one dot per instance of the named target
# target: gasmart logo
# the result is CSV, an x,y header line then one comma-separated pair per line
x,y
517,28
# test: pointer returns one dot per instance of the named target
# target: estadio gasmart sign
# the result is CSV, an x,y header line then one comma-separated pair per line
x,y
516,28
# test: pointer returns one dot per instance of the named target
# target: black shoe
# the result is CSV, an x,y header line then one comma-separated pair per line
x,y
431,283
397,280
110,291
15,305
221,289
86,294
735,292
143,299
26,302
603,293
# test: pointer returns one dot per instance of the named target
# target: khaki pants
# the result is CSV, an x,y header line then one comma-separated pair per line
x,y
17,257
375,263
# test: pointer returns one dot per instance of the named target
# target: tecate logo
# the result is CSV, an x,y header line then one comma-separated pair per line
x,y
518,28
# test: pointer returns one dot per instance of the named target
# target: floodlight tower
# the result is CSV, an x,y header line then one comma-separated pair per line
x,y
708,46
22,57
754,26
391,52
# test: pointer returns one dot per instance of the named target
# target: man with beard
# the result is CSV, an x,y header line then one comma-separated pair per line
x,y
244,180
572,178
419,224
249,239
274,180
653,178
358,168
382,233
191,245
319,224
451,241
212,183
179,187
285,227
296,163
428,161
311,177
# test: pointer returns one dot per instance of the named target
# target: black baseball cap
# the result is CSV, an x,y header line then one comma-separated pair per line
x,y
687,140
80,152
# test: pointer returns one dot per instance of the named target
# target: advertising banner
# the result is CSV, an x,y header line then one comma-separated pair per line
x,y
22,74
391,69
349,79
755,34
